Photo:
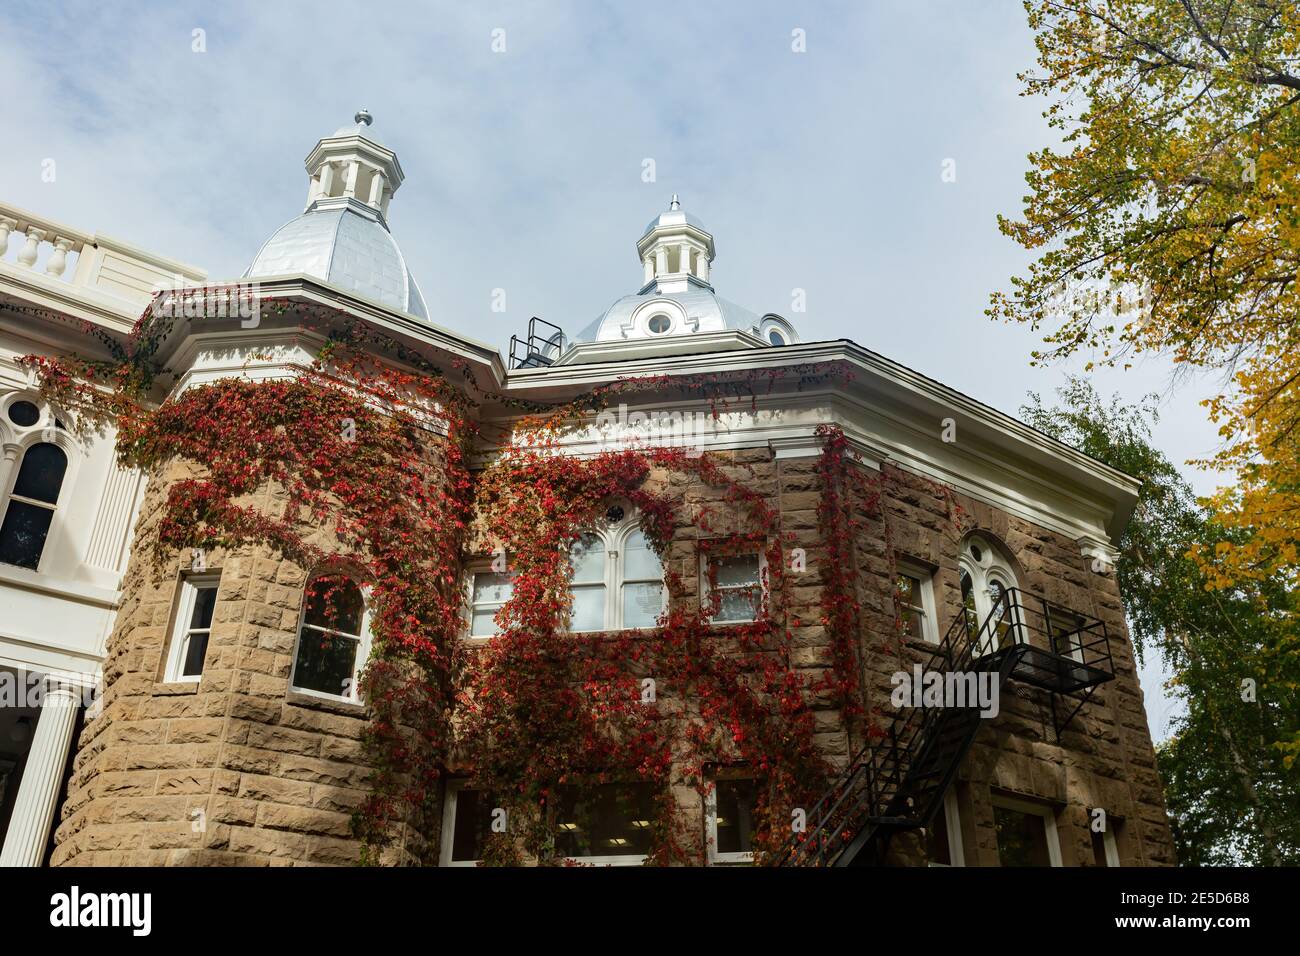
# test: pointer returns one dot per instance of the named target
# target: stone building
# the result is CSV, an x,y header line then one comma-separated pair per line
x,y
180,717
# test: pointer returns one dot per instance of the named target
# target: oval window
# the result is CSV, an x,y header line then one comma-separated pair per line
x,y
659,324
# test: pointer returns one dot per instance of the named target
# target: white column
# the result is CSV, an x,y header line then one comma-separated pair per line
x,y
27,256
29,827
350,178
661,261
685,259
7,226
59,260
376,189
702,267
326,180
649,264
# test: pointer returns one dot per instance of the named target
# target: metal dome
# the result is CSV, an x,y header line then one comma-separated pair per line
x,y
343,243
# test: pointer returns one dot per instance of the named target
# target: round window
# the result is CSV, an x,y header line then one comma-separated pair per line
x,y
24,414
775,337
659,324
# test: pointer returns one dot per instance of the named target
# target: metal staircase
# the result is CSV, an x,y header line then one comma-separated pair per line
x,y
898,780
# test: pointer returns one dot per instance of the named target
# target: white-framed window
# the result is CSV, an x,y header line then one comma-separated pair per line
x,y
488,592
466,823
195,602
739,581
915,587
333,640
31,502
1026,833
943,838
986,576
604,824
729,820
616,579
1105,845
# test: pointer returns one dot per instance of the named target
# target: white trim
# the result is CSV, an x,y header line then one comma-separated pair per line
x,y
473,571
711,830
1034,809
706,592
453,789
925,576
952,821
178,646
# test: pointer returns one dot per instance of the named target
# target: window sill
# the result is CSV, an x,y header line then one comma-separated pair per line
x,y
175,688
348,708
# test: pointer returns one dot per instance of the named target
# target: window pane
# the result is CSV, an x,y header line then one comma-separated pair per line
x,y
735,822
737,571
640,563
936,838
909,590
24,414
41,474
588,608
914,623
483,623
492,588
1098,849
205,599
22,536
325,662
195,651
471,826
738,605
335,603
642,604
588,559
1022,838
608,820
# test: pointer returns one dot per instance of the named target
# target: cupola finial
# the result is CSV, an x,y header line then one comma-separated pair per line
x,y
363,116
674,205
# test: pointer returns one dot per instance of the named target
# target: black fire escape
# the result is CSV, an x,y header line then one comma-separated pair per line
x,y
897,782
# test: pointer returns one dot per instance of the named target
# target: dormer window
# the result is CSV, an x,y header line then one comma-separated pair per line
x,y
775,337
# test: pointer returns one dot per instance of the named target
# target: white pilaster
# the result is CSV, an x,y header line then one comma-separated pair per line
x,y
29,827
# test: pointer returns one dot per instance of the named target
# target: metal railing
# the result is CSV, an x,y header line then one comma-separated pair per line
x,y
898,779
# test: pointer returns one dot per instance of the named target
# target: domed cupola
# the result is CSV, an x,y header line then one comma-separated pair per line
x,y
342,237
677,297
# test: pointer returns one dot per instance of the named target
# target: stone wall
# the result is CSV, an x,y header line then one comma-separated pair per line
x,y
238,770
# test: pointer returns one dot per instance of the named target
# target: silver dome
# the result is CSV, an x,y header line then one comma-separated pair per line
x,y
697,310
344,243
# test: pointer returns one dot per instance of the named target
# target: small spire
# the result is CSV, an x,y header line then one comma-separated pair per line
x,y
674,204
363,116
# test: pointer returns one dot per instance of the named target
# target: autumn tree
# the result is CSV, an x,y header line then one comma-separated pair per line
x,y
1168,220
1230,778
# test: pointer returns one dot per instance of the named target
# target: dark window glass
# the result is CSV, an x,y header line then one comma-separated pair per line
x,y
775,337
24,414
195,651
325,662
41,475
1022,838
1099,849
735,822
938,849
22,535
606,820
471,826
335,604
205,599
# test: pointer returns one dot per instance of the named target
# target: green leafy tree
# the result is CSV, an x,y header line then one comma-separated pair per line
x,y
1232,781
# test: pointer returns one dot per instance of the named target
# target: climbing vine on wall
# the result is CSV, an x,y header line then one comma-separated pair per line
x,y
367,453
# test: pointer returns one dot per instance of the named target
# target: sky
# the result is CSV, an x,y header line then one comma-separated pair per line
x,y
524,130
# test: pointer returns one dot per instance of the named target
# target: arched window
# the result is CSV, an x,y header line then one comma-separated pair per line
x,y
617,579
985,578
333,641
30,508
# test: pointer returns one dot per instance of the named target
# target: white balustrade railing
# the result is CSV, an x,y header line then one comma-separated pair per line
x,y
46,247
